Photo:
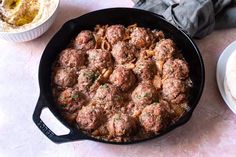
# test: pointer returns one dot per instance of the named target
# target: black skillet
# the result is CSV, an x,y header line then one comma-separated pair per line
x,y
125,16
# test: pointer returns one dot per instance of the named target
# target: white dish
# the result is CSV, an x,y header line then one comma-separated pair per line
x,y
34,32
220,76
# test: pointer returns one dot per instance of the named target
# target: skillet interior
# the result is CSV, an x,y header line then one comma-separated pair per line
x,y
125,16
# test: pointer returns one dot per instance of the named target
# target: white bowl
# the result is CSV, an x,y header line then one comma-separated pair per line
x,y
220,76
34,32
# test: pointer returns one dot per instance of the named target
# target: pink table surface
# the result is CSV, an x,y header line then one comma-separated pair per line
x,y
210,132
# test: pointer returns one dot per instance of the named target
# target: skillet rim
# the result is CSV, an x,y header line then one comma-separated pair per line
x,y
178,123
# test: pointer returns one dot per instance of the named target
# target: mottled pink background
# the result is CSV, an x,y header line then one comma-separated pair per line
x,y
210,132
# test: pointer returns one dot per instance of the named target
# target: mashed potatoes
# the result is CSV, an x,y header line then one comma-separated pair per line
x,y
231,74
18,15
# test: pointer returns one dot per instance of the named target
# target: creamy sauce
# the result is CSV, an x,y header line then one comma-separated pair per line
x,y
99,94
19,15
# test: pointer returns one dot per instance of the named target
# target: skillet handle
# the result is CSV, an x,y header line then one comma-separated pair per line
x,y
72,136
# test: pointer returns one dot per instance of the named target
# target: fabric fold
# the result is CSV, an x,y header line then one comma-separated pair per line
x,y
196,17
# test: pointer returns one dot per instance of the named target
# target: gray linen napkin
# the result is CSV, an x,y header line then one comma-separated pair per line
x,y
196,17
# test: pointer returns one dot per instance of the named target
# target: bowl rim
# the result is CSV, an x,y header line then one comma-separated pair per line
x,y
35,26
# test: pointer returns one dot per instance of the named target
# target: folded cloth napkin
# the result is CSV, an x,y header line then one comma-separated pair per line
x,y
196,17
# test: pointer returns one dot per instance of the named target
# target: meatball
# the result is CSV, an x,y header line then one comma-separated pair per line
x,y
90,117
72,58
121,125
85,40
144,94
115,33
123,52
99,59
108,96
141,37
123,78
134,109
176,68
65,77
173,90
165,49
86,78
154,117
71,100
145,69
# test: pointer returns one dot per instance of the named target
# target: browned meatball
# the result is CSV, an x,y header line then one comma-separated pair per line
x,y
154,117
70,100
144,94
164,49
145,69
115,33
141,37
90,117
173,90
108,96
86,78
134,109
85,40
99,59
121,125
176,68
72,58
122,78
65,77
123,52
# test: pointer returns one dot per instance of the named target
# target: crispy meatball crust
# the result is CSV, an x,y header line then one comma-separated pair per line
x,y
86,78
123,78
144,94
90,117
154,117
175,68
115,33
145,69
173,90
65,77
84,40
141,37
165,49
109,96
99,59
70,100
121,125
123,52
72,58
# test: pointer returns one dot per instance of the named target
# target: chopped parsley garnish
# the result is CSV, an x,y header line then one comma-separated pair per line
x,y
138,96
75,96
91,76
146,95
104,86
118,97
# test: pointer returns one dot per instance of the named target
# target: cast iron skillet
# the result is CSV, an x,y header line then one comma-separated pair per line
x,y
125,16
